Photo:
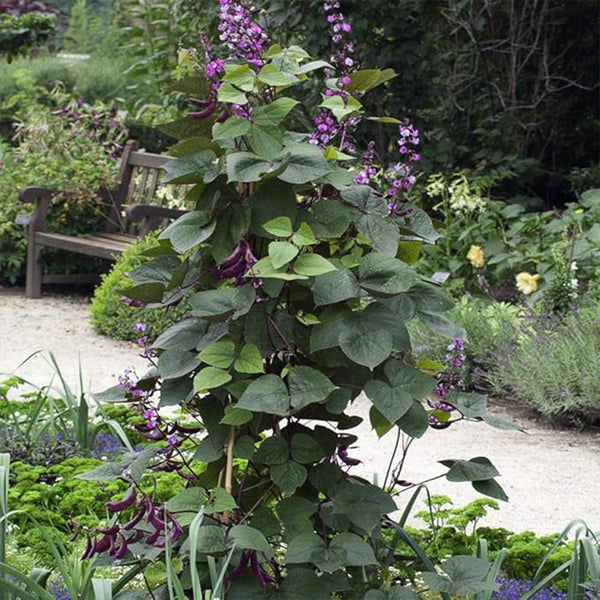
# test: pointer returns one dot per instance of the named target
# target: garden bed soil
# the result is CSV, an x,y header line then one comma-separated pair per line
x,y
551,476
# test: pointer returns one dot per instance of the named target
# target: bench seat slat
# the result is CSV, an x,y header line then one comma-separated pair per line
x,y
90,245
118,237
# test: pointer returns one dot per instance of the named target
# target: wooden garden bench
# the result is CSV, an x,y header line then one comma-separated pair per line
x,y
134,212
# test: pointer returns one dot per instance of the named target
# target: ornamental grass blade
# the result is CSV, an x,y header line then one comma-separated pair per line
x,y
194,530
482,552
102,589
537,584
32,591
419,552
4,485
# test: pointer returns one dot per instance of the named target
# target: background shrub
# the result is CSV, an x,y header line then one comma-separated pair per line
x,y
98,78
552,366
116,319
64,145
487,326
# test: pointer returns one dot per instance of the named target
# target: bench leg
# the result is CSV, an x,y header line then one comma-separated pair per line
x,y
33,280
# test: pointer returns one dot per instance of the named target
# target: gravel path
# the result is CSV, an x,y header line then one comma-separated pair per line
x,y
551,476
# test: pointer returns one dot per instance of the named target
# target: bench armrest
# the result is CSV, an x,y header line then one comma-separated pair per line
x,y
30,195
41,198
138,212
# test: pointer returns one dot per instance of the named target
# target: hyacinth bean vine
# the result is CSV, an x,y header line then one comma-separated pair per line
x,y
296,265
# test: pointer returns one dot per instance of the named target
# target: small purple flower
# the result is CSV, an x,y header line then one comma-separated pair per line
x,y
139,327
449,380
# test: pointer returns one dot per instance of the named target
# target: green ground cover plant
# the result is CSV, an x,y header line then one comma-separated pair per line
x,y
457,530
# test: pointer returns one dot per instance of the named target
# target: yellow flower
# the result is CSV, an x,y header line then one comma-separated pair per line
x,y
475,255
527,283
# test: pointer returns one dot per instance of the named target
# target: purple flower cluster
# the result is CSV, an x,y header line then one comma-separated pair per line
x,y
327,127
343,54
214,66
242,35
514,589
409,138
107,445
449,380
59,591
143,340
154,427
400,178
368,170
244,38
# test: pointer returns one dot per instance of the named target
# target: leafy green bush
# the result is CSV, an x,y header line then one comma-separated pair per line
x,y
97,79
67,146
116,319
552,366
19,34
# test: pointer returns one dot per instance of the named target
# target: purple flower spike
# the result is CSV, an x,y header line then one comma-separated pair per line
x,y
242,35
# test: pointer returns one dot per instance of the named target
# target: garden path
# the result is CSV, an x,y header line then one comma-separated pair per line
x,y
551,476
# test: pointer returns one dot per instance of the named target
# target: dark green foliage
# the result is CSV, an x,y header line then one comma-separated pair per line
x,y
477,97
20,34
116,319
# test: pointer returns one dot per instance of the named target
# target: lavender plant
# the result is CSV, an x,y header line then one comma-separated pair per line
x,y
299,304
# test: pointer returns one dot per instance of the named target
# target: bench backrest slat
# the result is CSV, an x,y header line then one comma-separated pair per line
x,y
139,178
147,159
